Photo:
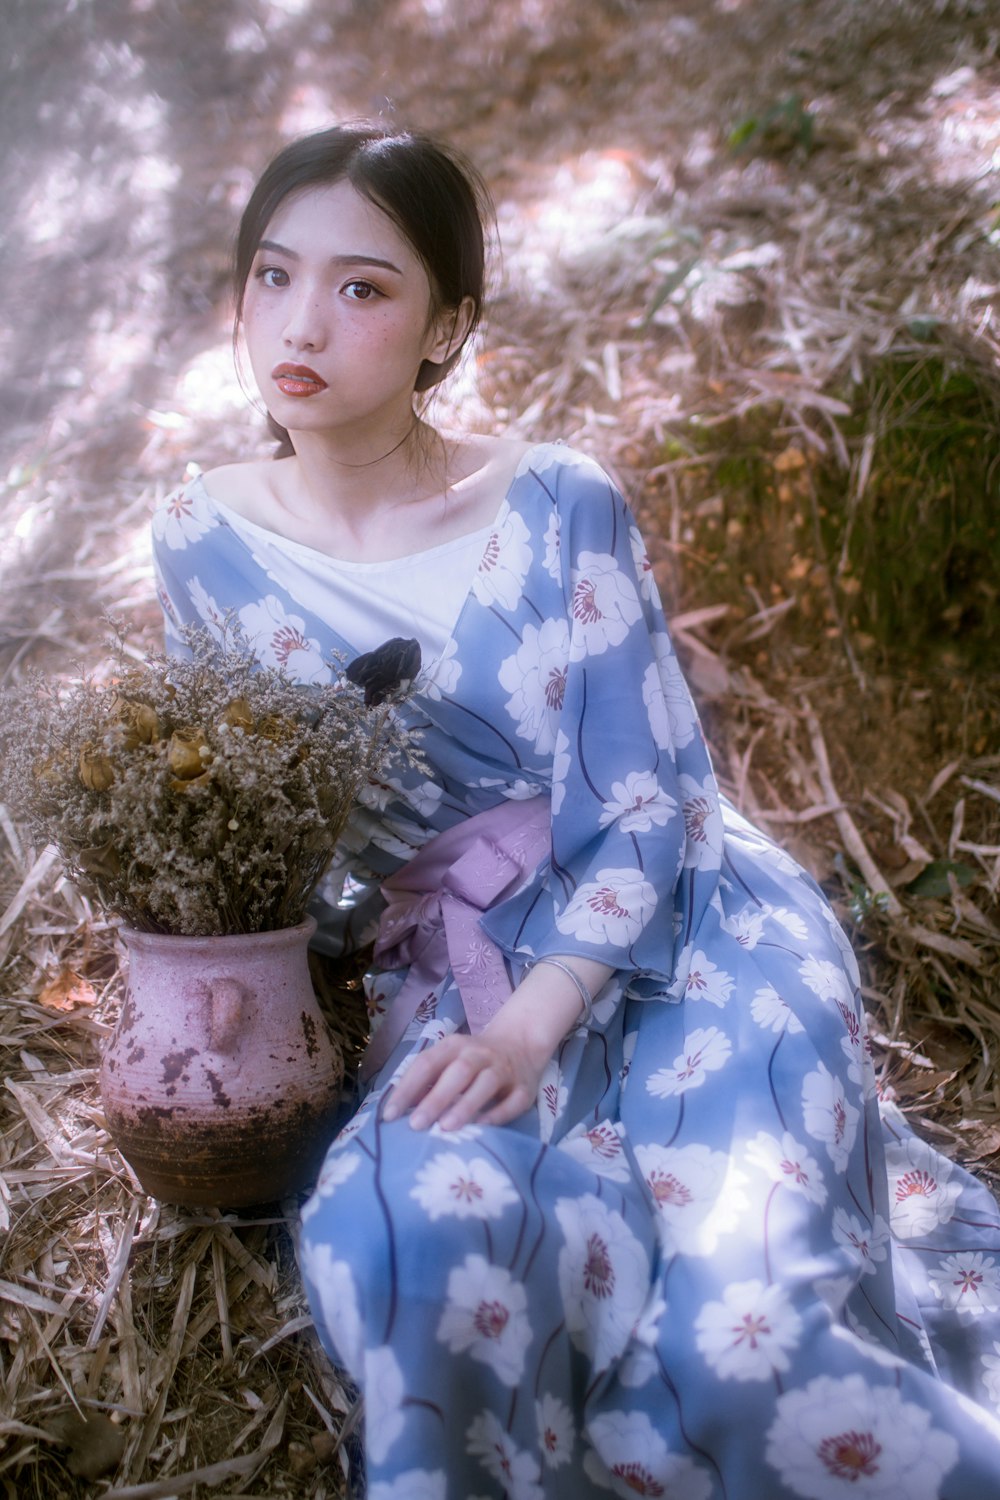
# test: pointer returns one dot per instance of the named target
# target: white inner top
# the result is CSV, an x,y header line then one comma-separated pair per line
x,y
370,602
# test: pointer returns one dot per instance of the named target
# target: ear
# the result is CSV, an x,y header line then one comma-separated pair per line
x,y
446,336
449,331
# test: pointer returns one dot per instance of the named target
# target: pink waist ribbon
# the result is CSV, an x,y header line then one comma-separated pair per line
x,y
435,902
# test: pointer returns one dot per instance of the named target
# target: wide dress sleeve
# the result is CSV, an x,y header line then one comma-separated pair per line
x,y
637,833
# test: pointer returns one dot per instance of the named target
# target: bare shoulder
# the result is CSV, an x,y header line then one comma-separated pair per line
x,y
487,463
248,489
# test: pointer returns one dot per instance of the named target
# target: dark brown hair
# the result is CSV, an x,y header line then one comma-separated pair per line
x,y
435,199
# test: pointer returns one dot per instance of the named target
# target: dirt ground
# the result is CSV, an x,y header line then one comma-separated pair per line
x,y
716,217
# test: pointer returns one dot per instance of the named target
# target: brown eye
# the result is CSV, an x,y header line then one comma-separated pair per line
x,y
360,291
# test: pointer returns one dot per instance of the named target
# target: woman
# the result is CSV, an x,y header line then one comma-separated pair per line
x,y
614,1215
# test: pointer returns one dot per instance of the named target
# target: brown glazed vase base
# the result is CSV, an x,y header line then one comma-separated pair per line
x,y
257,1156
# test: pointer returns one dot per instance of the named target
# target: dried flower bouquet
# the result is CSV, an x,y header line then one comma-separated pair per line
x,y
200,796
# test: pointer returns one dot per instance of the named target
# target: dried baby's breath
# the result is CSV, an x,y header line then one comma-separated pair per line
x,y
194,796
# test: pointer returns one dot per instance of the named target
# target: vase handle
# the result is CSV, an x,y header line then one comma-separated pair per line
x,y
227,998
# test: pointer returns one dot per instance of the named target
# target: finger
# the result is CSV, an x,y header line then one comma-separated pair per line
x,y
419,1077
481,1091
508,1108
449,1087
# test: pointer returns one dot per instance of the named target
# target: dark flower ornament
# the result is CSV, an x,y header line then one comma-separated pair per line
x,y
389,669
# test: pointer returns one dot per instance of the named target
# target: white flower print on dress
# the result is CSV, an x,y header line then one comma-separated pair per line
x,y
209,611
787,1162
673,718
543,456
827,980
637,803
838,1438
698,1192
333,1283
643,566
384,1390
553,547
748,1334
486,1314
552,1099
415,1484
514,788
279,640
772,1013
921,1192
441,676
604,605
702,823
791,922
991,1375
474,1189
866,1245
555,1431
535,676
560,770
640,1363
705,1051
516,1471
603,1277
829,1115
505,561
843,942
182,517
600,1148
422,797
968,1282
631,1458
335,1171
746,926
855,1045
612,909
461,1133
706,981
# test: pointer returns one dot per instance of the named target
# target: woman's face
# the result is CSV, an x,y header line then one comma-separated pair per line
x,y
338,316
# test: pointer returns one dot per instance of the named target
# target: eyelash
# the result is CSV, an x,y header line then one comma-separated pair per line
x,y
357,281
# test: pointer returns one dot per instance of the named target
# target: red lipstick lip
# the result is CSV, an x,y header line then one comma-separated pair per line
x,y
297,380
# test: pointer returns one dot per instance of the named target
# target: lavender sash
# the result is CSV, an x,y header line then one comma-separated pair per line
x,y
435,902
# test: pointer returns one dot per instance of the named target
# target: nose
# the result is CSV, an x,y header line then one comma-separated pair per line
x,y
305,326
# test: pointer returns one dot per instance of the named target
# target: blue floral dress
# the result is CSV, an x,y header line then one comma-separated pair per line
x,y
702,1266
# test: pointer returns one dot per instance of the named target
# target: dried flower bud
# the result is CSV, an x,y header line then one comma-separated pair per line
x,y
96,770
187,754
238,715
388,669
185,785
139,722
50,771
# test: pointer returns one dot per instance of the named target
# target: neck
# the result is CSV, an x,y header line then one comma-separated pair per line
x,y
364,473
360,471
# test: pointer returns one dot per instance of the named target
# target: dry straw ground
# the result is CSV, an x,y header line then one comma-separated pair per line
x,y
749,261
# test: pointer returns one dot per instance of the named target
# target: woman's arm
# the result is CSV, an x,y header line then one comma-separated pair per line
x,y
494,1077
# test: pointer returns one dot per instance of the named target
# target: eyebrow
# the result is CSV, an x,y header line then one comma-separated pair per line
x,y
335,260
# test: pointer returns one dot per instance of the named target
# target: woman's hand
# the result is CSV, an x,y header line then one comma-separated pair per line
x,y
494,1077
490,1079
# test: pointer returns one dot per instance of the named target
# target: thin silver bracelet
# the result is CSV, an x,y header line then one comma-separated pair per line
x,y
585,995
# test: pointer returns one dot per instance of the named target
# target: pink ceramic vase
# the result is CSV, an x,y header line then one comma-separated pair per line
x,y
221,1082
